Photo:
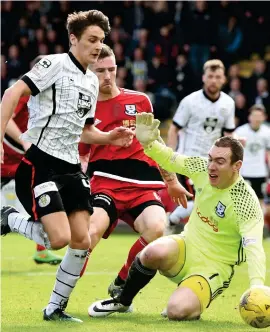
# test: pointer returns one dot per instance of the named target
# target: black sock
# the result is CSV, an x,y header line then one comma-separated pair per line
x,y
119,281
138,277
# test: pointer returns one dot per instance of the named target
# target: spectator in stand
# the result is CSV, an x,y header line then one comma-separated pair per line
x,y
263,96
182,81
164,45
201,38
118,50
4,76
235,87
230,40
58,49
241,111
259,71
51,36
139,67
43,49
14,65
142,41
158,75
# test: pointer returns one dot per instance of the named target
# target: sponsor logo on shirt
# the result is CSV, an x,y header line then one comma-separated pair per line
x,y
84,105
130,110
212,223
220,210
246,241
45,63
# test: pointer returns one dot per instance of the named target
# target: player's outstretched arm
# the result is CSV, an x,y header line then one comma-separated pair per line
x,y
177,192
148,134
119,136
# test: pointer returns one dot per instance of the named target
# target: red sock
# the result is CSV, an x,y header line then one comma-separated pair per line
x,y
40,248
135,249
85,263
267,220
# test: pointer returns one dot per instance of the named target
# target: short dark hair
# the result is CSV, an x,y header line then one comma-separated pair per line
x,y
77,22
105,52
257,107
235,146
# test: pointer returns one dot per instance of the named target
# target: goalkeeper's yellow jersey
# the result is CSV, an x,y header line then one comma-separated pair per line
x,y
226,224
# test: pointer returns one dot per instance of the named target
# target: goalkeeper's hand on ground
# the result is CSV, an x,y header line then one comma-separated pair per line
x,y
146,128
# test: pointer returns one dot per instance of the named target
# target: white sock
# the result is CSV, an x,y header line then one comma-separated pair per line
x,y
67,276
181,213
32,230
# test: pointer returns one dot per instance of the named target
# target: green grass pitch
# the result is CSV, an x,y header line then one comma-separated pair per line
x,y
26,289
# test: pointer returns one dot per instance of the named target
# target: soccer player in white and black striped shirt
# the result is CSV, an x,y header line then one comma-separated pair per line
x,y
49,180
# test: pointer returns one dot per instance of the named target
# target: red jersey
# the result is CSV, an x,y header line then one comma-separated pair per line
x,y
128,166
13,152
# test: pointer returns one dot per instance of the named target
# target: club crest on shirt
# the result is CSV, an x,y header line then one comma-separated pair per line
x,y
210,124
97,121
130,109
220,210
84,105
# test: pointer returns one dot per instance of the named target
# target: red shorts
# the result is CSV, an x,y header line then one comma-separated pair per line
x,y
126,203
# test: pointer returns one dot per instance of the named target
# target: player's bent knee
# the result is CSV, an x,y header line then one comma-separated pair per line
x,y
59,242
176,311
152,255
153,231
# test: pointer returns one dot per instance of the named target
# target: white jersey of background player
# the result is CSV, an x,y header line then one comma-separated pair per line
x,y
256,163
201,118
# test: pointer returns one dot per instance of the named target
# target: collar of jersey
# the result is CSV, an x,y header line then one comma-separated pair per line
x,y
76,62
212,100
230,187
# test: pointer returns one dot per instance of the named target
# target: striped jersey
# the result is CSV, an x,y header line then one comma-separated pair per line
x,y
257,143
202,121
227,224
63,99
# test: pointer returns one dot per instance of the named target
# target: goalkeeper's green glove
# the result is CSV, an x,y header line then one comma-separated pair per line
x,y
146,128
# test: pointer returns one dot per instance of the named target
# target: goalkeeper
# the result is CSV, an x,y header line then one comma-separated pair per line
x,y
224,230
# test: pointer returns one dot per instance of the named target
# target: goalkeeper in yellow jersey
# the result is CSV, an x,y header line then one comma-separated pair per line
x,y
224,229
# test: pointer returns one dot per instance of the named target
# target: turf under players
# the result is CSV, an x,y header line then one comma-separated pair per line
x,y
224,230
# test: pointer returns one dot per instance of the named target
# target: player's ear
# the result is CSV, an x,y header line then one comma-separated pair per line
x,y
237,165
203,78
72,39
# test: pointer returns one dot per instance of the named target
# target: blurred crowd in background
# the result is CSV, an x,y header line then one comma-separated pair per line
x,y
160,46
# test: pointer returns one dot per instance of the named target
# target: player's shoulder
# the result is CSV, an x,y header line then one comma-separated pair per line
x,y
54,58
246,203
92,75
194,96
135,95
265,129
196,164
224,97
243,128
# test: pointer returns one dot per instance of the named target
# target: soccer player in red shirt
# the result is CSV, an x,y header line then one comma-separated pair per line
x,y
124,181
14,149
